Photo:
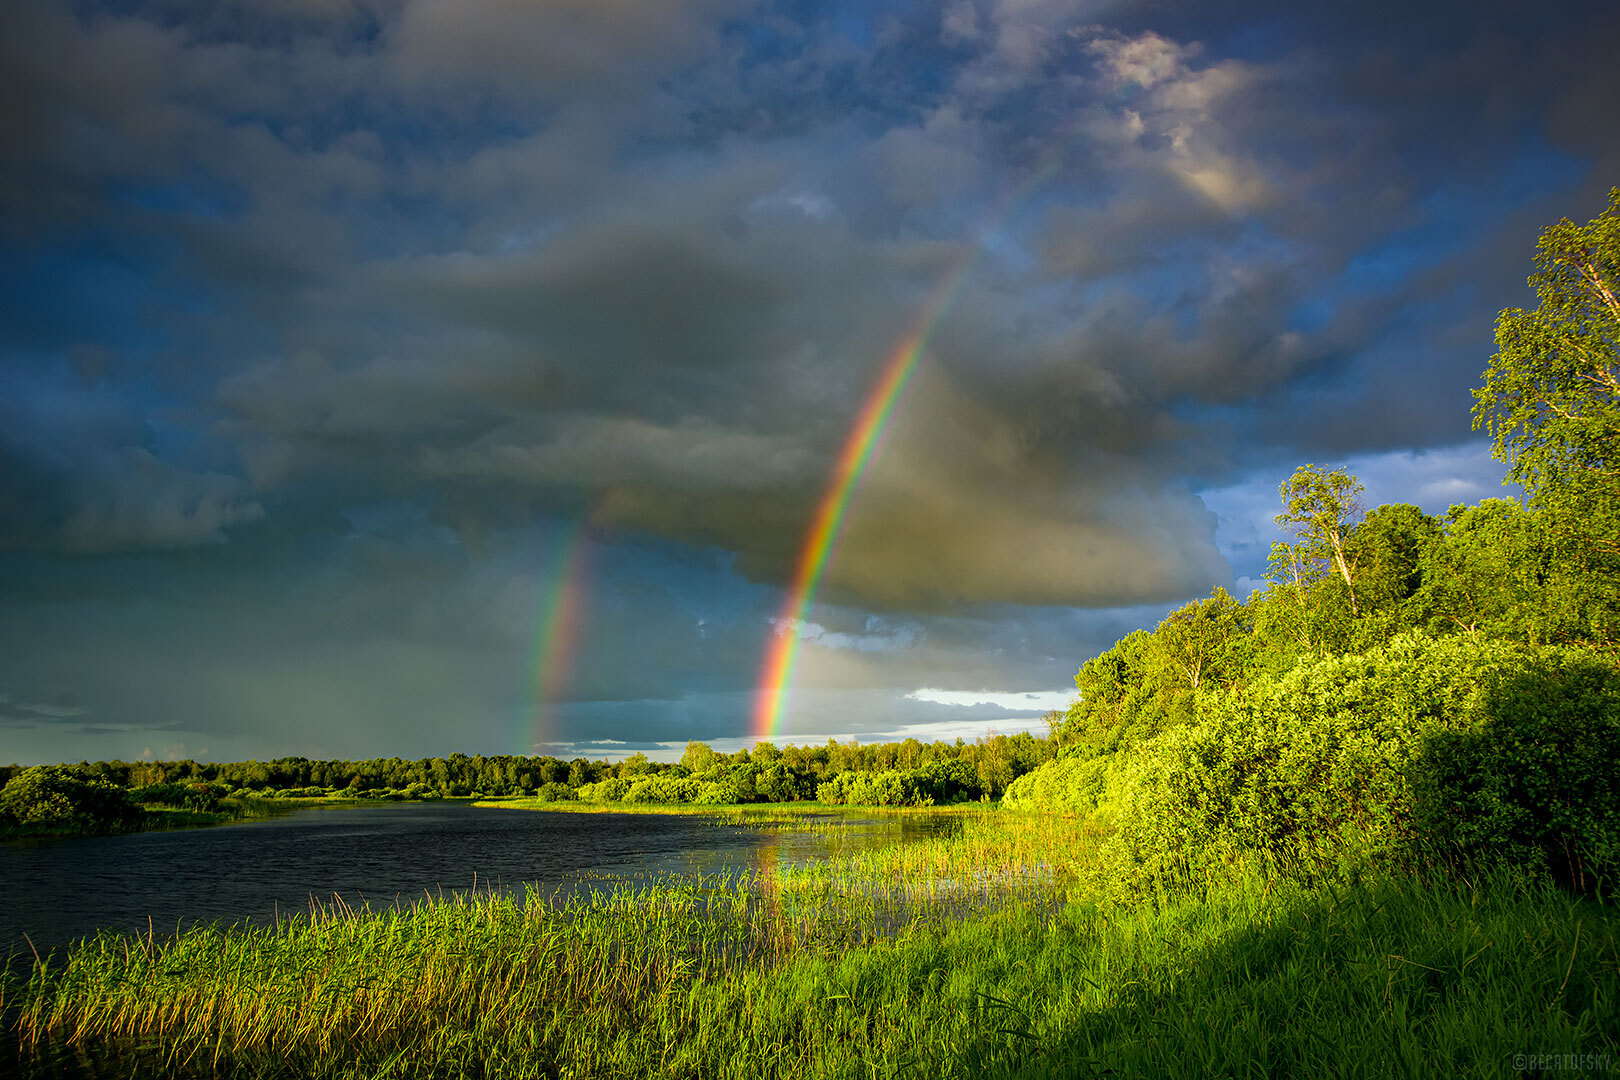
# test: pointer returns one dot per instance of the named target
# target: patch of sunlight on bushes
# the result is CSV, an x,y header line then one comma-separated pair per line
x,y
1419,752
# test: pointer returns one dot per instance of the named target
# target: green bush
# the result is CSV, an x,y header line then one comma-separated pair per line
x,y
611,789
1534,782
951,780
55,796
661,789
777,784
1073,784
888,788
721,792
1344,760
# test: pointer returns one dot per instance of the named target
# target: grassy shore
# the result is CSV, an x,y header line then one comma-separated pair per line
x,y
984,953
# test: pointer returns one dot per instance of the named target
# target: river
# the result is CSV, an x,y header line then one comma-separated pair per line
x,y
59,890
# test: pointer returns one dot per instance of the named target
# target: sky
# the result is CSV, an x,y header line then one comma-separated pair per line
x,y
419,376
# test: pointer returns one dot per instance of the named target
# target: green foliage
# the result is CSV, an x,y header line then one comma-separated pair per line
x,y
1388,550
53,795
1149,681
1072,784
1551,398
1121,700
1322,505
661,789
1298,612
766,773
1290,767
777,784
1419,750
1485,574
1551,402
699,757
1533,780
949,781
1206,642
889,788
611,789
203,797
934,784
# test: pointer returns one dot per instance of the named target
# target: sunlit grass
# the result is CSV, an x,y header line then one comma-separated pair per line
x,y
973,954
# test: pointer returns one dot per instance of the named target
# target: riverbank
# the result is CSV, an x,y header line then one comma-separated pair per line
x,y
793,813
157,819
983,953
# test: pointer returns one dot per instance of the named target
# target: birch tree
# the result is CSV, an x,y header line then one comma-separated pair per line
x,y
1322,506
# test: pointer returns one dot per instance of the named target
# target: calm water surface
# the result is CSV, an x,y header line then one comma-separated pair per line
x,y
58,890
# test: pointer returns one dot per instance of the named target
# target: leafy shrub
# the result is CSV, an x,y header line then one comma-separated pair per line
x,y
54,795
951,780
661,789
1335,762
555,792
1534,782
1074,784
611,789
889,788
777,784
721,792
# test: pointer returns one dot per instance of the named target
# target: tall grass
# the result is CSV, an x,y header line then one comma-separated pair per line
x,y
969,955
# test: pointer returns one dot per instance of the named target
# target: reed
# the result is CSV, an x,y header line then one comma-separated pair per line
x,y
974,954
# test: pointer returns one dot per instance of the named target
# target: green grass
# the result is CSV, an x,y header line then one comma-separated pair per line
x,y
978,954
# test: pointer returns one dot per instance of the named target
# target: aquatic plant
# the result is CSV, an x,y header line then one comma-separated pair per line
x,y
979,953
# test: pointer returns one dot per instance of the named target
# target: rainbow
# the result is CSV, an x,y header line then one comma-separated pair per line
x,y
561,618
782,651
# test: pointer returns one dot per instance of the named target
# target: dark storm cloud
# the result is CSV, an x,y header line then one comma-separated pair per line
x,y
342,312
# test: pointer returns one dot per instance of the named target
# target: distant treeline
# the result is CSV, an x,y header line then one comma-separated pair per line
x,y
903,773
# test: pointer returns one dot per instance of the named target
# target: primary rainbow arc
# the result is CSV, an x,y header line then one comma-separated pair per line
x,y
782,651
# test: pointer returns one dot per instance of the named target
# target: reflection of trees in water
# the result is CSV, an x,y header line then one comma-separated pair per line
x,y
930,826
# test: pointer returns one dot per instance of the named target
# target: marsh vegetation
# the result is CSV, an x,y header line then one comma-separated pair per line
x,y
984,953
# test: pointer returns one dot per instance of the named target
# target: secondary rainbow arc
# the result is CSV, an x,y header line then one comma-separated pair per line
x,y
562,616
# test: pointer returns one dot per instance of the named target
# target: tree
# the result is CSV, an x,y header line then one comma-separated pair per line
x,y
1387,549
1487,574
1551,399
637,764
1323,506
1195,643
1115,695
54,795
699,757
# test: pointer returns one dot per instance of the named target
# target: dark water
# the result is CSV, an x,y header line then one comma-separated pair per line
x,y
58,890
